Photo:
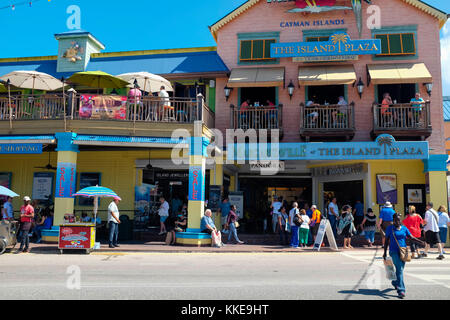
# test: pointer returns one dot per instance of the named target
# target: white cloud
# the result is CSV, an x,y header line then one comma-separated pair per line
x,y
445,57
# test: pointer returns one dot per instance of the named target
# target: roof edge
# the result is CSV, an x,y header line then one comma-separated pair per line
x,y
151,52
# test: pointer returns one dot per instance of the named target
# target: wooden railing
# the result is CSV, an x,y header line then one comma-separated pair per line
x,y
327,117
257,118
81,107
402,117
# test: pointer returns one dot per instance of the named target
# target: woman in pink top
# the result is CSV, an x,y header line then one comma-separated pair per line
x,y
414,222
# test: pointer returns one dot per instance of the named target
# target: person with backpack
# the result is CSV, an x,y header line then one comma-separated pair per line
x,y
431,229
396,235
294,220
369,226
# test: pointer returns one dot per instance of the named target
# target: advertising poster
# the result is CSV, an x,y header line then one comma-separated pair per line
x,y
101,106
42,185
142,196
215,197
237,198
387,188
66,180
415,196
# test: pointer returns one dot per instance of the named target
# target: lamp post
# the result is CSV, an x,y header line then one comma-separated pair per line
x,y
291,89
360,87
227,91
429,87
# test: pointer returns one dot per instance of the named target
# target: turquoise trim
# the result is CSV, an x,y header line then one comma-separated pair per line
x,y
398,29
256,36
53,232
436,163
192,235
65,141
192,230
198,146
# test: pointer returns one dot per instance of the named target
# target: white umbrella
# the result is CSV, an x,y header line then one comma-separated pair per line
x,y
148,82
8,193
33,80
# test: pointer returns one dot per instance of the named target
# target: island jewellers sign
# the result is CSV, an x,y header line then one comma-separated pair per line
x,y
340,44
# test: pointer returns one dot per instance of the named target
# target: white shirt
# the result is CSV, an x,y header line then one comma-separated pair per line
x,y
276,207
113,208
164,210
335,207
305,224
443,220
432,223
291,215
163,94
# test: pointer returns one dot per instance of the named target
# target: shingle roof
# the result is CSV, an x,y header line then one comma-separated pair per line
x,y
447,108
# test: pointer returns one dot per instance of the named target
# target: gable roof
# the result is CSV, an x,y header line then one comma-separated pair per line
x,y
438,14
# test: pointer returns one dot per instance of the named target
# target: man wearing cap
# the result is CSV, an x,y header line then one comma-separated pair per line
x,y
113,221
386,219
431,229
26,216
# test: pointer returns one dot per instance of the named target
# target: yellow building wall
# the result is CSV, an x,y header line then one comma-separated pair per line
x,y
117,171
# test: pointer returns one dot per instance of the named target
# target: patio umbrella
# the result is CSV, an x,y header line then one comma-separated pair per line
x,y
32,80
96,193
97,79
148,82
8,193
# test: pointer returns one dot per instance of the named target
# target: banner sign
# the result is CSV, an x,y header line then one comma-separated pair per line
x,y
215,197
325,229
340,44
66,180
387,188
103,107
196,184
384,148
43,185
30,148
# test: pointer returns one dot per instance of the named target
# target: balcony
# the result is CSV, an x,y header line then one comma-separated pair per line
x,y
402,121
101,114
258,118
327,122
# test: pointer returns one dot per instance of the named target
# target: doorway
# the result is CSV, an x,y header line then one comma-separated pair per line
x,y
415,195
346,192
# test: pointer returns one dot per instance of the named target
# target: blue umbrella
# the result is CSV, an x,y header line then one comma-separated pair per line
x,y
6,192
96,193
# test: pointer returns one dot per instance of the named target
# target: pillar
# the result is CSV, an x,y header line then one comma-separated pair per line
x,y
65,176
436,174
216,179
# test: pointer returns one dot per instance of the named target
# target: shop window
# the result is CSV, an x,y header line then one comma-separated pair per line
x,y
88,180
326,94
256,50
397,44
317,39
402,93
260,95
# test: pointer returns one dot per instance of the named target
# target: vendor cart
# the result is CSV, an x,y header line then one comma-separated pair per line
x,y
77,236
8,235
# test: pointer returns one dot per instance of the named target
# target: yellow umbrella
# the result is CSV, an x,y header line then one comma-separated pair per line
x,y
97,79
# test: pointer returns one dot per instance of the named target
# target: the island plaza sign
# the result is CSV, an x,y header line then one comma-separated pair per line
x,y
340,44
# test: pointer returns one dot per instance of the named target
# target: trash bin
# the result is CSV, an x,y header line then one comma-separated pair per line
x,y
125,228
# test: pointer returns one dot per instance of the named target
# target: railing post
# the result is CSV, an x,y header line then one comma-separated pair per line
x,y
428,105
352,110
375,115
200,101
280,116
302,117
232,122
72,94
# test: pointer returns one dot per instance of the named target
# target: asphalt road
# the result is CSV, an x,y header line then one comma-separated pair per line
x,y
351,275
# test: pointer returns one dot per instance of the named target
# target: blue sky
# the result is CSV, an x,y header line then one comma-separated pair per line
x,y
132,25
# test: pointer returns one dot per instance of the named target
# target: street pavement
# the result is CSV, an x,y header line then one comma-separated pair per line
x,y
347,275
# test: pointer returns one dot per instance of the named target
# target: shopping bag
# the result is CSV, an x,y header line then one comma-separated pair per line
x,y
390,269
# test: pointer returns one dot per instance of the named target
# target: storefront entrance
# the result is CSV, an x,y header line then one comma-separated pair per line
x,y
259,193
346,192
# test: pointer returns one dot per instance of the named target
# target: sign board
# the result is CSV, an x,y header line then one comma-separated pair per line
x,y
196,183
66,180
279,166
325,58
43,185
325,228
339,44
215,195
237,199
76,237
353,169
12,148
103,107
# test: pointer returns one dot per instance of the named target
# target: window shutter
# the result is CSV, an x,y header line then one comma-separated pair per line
x,y
408,43
267,49
258,49
395,44
246,50
384,43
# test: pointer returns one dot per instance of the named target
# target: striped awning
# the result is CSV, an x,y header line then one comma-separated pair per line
x,y
326,75
399,73
256,77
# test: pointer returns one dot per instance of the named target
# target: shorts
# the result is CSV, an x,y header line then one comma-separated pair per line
x,y
163,218
432,238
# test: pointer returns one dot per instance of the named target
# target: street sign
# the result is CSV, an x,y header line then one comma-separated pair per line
x,y
325,228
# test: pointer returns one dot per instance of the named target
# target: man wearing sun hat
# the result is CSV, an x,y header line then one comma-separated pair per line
x,y
26,217
386,219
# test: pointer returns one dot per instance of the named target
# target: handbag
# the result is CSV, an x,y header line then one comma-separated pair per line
x,y
405,252
236,224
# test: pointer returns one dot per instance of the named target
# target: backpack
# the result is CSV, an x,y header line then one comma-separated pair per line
x,y
297,220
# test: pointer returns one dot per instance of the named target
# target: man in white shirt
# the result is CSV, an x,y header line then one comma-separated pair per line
x,y
333,214
276,205
431,229
163,215
113,222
